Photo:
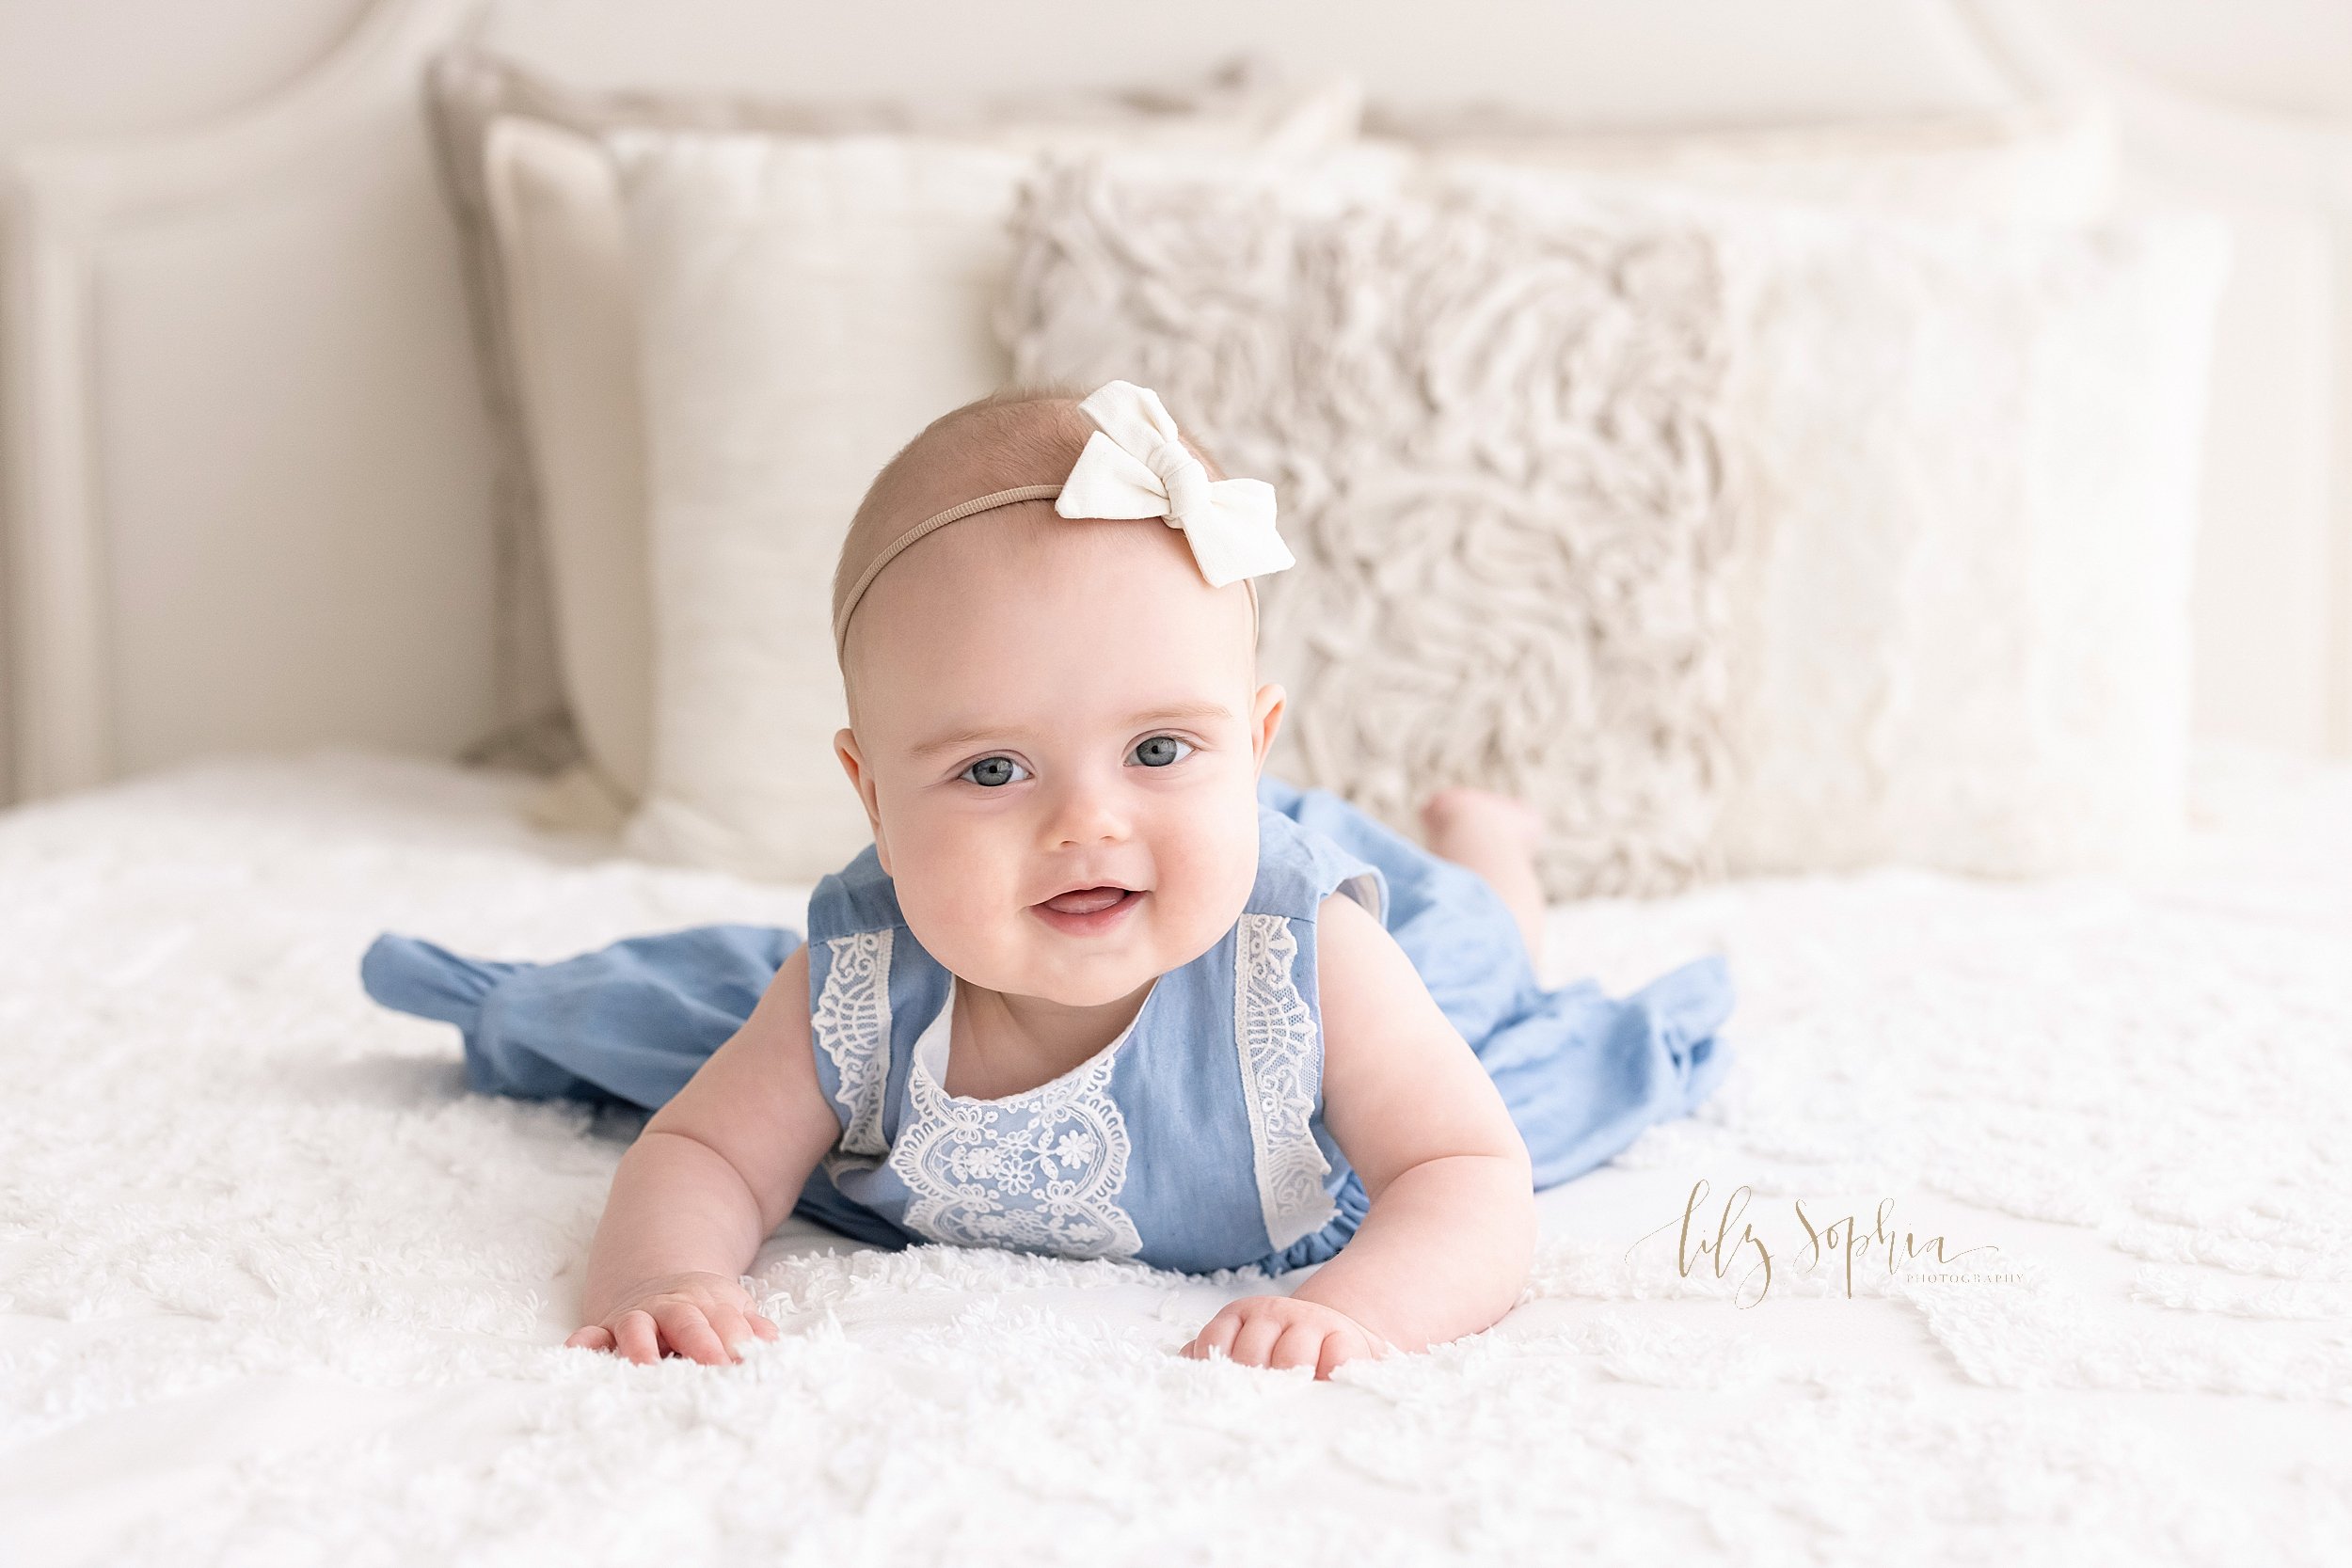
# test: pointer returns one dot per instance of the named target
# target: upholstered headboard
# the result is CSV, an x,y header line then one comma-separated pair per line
x,y
249,486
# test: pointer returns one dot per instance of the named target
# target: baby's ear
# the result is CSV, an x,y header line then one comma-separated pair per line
x,y
1266,720
852,760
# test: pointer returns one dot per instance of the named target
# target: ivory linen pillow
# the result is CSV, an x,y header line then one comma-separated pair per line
x,y
562,275
1491,410
539,209
805,305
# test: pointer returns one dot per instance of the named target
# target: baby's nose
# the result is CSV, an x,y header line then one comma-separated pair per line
x,y
1085,815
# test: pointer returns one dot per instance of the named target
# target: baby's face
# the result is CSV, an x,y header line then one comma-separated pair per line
x,y
1056,729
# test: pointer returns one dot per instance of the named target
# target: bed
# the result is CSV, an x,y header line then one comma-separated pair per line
x,y
274,1287
279,1288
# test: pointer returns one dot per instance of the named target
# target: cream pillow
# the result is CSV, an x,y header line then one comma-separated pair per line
x,y
1489,409
1973,458
2037,163
544,240
1972,452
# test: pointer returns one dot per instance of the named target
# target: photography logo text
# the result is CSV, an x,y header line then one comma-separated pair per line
x,y
1809,1238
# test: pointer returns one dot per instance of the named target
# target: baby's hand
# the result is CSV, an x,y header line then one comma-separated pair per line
x,y
1283,1331
701,1315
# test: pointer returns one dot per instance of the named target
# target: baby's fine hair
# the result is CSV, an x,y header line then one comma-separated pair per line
x,y
1015,436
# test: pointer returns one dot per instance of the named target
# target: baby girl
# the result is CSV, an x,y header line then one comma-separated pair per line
x,y
1099,988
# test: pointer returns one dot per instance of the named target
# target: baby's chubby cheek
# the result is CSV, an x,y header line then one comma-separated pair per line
x,y
967,899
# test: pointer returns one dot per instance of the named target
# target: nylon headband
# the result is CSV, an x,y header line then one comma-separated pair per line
x,y
938,520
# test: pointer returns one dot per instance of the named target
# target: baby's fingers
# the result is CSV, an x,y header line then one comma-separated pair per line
x,y
1300,1345
734,1329
635,1338
593,1337
1255,1342
690,1333
1214,1335
1345,1346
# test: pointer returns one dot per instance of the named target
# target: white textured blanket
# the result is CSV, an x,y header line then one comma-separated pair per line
x,y
274,1288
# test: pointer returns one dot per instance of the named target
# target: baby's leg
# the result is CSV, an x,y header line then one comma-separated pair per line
x,y
1496,836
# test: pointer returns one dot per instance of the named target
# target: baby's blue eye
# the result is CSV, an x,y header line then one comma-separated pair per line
x,y
1158,750
991,772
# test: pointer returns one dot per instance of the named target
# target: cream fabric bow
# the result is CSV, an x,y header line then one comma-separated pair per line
x,y
1135,465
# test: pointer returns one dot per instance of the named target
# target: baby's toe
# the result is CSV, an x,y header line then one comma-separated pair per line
x,y
1459,812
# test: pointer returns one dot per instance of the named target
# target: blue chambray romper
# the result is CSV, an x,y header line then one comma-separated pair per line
x,y
1195,1141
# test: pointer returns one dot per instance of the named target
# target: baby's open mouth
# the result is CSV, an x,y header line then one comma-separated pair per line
x,y
1088,911
1086,900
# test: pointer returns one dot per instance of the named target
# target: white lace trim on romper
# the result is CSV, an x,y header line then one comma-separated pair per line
x,y
1039,1170
851,1020
1275,1033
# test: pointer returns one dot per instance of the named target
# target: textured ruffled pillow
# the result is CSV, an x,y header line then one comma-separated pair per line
x,y
1964,457
1490,409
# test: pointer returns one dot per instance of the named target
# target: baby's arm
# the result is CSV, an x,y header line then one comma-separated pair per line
x,y
714,1172
1446,1248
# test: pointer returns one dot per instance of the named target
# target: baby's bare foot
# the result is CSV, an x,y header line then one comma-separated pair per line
x,y
1497,836
1480,822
